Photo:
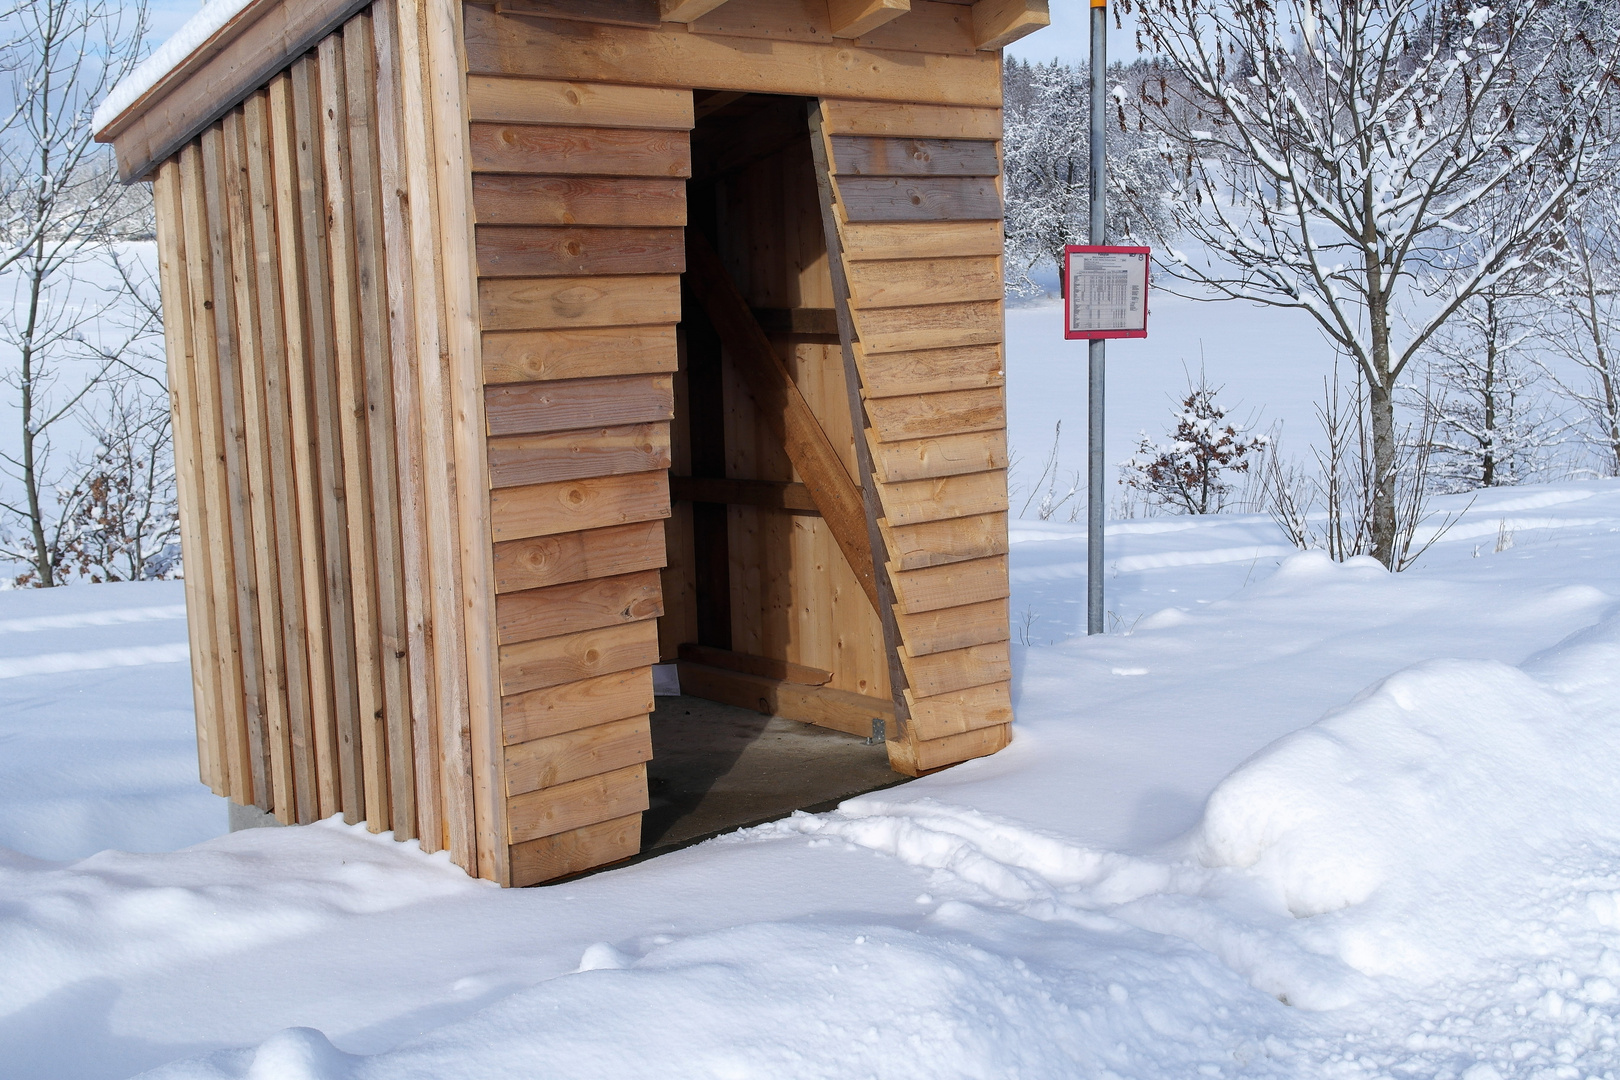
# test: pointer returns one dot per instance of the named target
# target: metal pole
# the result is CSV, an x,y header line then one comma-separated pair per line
x,y
1096,499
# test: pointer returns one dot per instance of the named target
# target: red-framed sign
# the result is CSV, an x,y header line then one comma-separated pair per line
x,y
1105,291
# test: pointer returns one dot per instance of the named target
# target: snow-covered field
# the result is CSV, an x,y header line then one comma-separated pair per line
x,y
1293,819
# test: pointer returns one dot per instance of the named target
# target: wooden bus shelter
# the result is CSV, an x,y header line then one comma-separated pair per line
x,y
516,347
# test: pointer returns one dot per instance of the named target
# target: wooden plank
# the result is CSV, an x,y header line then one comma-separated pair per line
x,y
853,18
242,578
937,498
576,804
549,251
537,714
555,610
909,121
516,460
765,494
294,627
234,61
612,12
918,199
947,455
951,412
823,706
958,669
942,239
590,751
572,505
670,56
961,711
565,302
936,326
579,151
876,155
936,543
767,666
938,753
783,409
417,583
337,743
955,627
179,351
547,858
999,23
538,355
257,339
578,200
571,404
370,744
575,556
909,282
491,99
686,11
806,322
435,346
393,632
444,61
931,371
554,661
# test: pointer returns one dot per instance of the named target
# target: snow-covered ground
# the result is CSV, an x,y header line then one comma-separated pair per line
x,y
1290,819
1303,820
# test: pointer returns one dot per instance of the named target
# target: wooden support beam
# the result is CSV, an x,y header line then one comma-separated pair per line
x,y
823,706
783,408
764,494
808,322
999,23
686,11
765,666
852,18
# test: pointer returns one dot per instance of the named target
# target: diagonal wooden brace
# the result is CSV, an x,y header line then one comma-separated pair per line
x,y
783,408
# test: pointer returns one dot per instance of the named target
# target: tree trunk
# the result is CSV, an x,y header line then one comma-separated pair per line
x,y
1381,414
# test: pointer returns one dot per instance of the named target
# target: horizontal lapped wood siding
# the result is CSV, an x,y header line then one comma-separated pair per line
x,y
919,207
314,525
579,200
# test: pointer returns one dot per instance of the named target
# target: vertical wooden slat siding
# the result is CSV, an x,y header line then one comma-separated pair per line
x,y
322,368
445,60
283,532
211,424
407,427
297,326
349,341
439,487
360,71
178,349
255,338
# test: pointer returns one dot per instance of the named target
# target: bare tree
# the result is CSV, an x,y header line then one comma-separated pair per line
x,y
1584,328
63,210
1338,156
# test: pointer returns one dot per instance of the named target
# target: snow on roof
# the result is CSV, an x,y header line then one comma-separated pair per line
x,y
214,16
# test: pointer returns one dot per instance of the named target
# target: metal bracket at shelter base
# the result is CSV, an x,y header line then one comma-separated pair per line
x,y
878,731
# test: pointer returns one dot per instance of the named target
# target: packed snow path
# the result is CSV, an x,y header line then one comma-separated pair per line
x,y
1304,820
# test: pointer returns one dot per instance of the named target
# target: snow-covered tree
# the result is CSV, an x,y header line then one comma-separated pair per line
x,y
1491,423
1584,327
1046,151
1338,156
1188,473
62,213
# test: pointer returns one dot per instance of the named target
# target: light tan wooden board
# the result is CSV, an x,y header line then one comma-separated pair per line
x,y
670,56
573,404
553,661
545,101
564,302
948,412
564,251
552,150
572,505
576,556
954,749
955,628
931,371
578,200
574,755
911,120
960,711
548,857
934,326
576,804
946,455
540,355
958,669
936,499
515,460
939,240
577,605
583,703
823,706
908,282
936,543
